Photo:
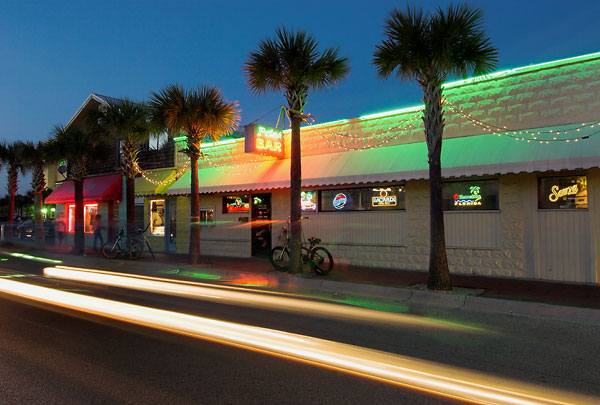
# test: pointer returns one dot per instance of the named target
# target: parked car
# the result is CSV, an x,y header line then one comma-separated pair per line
x,y
26,229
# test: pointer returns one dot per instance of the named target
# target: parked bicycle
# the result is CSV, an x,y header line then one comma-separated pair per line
x,y
124,245
319,258
121,246
139,242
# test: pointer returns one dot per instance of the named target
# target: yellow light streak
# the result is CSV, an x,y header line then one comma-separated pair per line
x,y
247,297
402,370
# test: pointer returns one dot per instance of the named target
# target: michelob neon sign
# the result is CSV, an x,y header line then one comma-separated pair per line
x,y
264,140
472,199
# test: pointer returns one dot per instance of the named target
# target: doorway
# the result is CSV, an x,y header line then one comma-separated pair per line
x,y
261,224
171,226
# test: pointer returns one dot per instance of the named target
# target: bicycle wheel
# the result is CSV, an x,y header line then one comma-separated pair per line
x,y
136,248
321,261
280,258
111,250
305,255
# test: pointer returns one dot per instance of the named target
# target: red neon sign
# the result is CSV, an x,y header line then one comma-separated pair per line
x,y
264,140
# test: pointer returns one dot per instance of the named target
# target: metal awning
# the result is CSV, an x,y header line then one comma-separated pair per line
x,y
480,155
102,188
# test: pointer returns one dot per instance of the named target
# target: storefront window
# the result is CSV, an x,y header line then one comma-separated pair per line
x,y
89,214
236,203
363,199
157,217
563,192
207,215
470,195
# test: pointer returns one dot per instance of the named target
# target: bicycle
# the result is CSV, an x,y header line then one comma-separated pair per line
x,y
318,257
121,245
138,243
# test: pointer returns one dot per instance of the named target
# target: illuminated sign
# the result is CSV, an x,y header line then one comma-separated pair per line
x,y
384,199
339,201
557,192
236,203
264,140
308,201
563,192
472,199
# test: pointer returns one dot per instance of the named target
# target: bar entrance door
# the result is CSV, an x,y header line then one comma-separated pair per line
x,y
261,224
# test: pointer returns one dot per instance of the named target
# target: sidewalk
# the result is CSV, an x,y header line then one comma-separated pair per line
x,y
487,294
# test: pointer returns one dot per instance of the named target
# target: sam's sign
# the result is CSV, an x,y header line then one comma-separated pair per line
x,y
264,140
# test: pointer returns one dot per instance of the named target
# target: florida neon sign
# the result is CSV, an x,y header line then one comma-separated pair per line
x,y
473,199
264,140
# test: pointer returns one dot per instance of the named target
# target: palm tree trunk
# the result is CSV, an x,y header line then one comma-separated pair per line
x,y
194,252
38,204
439,274
130,201
13,187
295,190
79,237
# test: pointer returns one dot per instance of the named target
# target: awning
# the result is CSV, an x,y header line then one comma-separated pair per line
x,y
154,182
102,188
479,155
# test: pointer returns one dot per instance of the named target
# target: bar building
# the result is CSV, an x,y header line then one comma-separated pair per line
x,y
521,169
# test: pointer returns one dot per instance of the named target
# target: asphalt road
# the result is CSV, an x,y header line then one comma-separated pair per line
x,y
50,357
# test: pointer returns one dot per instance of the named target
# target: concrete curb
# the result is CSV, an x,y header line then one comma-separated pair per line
x,y
416,297
409,296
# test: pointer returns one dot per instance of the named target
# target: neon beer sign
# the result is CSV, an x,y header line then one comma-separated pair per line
x,y
472,199
264,140
556,192
339,201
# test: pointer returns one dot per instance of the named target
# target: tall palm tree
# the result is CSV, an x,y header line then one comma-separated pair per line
x,y
427,48
14,157
199,113
291,63
79,146
127,122
36,160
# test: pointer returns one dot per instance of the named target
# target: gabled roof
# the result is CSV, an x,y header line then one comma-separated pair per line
x,y
92,101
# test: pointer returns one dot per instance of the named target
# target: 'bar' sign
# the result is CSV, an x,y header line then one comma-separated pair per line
x,y
264,140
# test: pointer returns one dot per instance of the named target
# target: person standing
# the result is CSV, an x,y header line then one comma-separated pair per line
x,y
97,226
60,228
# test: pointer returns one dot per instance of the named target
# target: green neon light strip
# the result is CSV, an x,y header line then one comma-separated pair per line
x,y
211,144
394,112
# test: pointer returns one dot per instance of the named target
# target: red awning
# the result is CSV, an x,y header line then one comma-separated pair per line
x,y
103,188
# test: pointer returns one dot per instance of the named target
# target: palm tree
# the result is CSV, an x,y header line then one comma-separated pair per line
x,y
36,160
13,156
291,63
79,147
199,113
427,48
127,122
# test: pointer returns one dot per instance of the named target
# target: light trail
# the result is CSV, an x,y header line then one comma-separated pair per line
x,y
246,297
405,371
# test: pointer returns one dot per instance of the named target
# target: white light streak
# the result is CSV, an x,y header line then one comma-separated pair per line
x,y
393,368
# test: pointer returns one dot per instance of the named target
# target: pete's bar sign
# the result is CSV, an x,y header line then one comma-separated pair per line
x,y
264,140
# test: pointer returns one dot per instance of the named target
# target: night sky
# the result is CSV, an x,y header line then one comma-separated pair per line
x,y
55,53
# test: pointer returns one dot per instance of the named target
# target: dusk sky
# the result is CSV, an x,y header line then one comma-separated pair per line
x,y
55,53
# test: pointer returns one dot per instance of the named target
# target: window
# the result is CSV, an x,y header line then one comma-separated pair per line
x,y
475,195
236,203
157,217
156,142
563,192
207,215
363,199
89,214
